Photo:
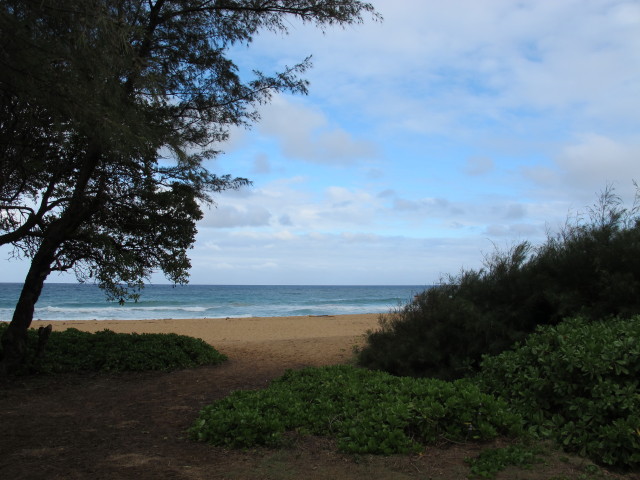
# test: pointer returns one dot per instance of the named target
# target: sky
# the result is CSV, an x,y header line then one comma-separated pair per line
x,y
427,140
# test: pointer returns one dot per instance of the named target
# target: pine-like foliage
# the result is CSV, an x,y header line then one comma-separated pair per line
x,y
108,110
591,268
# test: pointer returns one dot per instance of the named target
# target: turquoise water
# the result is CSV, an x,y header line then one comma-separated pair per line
x,y
62,301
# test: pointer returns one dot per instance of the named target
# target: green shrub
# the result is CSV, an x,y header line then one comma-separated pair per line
x,y
493,460
74,351
577,383
368,412
591,268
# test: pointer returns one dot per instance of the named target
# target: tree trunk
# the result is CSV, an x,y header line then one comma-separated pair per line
x,y
14,340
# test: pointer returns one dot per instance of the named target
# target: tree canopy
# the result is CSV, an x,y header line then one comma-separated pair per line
x,y
109,109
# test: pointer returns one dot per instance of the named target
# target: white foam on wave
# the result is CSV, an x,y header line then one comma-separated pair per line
x,y
133,312
79,303
126,312
122,309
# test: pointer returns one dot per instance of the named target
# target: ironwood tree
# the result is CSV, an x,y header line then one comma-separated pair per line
x,y
109,109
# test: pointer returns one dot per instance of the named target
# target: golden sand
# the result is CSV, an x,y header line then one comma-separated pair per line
x,y
308,340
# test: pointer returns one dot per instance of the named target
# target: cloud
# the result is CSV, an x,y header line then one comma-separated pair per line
x,y
515,212
581,168
387,193
517,231
476,166
345,206
516,67
261,164
285,220
429,207
382,173
305,133
540,175
511,73
291,202
374,173
341,258
596,159
227,216
338,145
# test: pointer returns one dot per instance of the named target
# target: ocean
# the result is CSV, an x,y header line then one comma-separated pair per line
x,y
66,301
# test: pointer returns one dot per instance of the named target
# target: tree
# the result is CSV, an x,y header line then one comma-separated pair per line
x,y
109,110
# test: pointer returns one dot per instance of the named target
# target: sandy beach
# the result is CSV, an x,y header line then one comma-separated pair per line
x,y
297,341
134,424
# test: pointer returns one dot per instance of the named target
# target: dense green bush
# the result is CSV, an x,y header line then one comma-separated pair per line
x,y
591,268
577,383
368,412
74,351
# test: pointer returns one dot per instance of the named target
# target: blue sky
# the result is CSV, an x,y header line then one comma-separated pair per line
x,y
426,141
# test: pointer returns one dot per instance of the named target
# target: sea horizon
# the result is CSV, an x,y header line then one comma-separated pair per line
x,y
78,301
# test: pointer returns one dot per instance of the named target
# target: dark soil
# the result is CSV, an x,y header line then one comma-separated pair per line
x,y
133,426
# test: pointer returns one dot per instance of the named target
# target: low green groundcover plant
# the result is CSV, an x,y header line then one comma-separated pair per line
x,y
493,460
578,383
74,351
367,411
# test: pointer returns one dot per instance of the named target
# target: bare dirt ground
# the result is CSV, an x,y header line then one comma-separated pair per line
x,y
134,426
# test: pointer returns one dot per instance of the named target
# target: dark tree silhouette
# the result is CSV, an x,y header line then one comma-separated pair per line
x,y
108,110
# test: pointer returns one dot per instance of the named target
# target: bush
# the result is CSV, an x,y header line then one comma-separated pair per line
x,y
578,384
493,460
368,412
591,268
74,351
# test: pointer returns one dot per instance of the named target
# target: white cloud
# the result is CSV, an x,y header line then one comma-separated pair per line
x,y
438,72
227,216
584,166
518,231
436,207
211,246
306,134
427,137
313,259
596,159
487,126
